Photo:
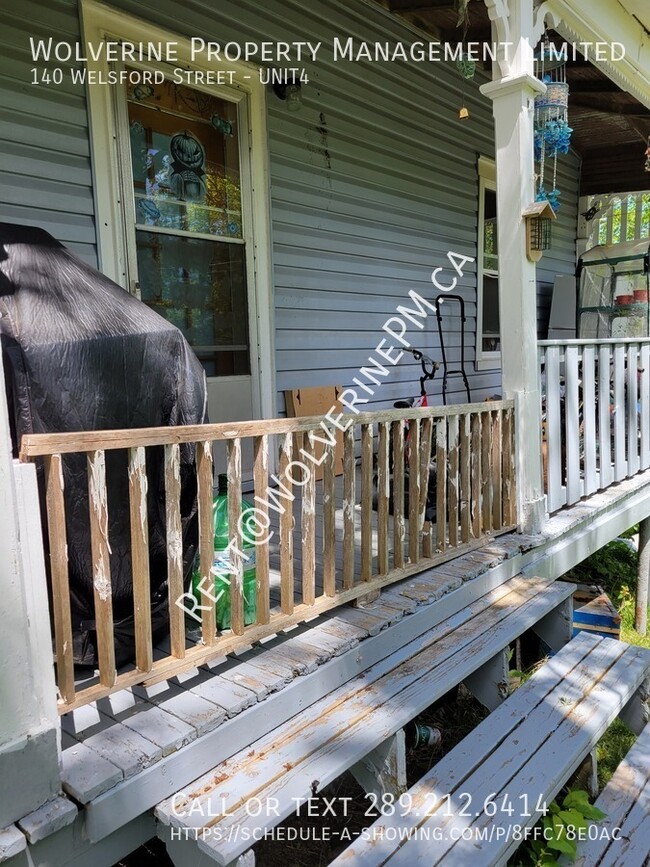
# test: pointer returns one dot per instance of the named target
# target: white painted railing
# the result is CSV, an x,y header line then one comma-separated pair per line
x,y
596,415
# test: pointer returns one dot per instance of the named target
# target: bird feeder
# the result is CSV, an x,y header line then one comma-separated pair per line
x,y
538,218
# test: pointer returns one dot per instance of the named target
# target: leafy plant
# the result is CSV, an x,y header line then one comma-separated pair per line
x,y
561,828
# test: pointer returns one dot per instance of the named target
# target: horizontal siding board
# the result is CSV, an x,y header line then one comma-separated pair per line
x,y
293,283
39,162
59,136
56,18
40,193
46,103
16,64
76,229
297,324
369,226
364,342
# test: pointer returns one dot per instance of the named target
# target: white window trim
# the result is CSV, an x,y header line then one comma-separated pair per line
x,y
487,181
113,236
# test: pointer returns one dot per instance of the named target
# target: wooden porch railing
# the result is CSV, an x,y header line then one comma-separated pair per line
x,y
345,552
596,411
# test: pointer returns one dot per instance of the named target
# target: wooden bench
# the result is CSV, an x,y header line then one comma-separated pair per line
x,y
503,774
358,722
623,836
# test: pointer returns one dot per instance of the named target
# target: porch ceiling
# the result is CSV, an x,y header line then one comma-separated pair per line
x,y
610,126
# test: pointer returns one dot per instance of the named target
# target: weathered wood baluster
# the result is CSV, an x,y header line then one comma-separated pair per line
x,y
414,490
57,535
441,484
261,479
139,519
486,466
398,494
308,521
206,541
348,507
383,495
465,487
329,521
100,552
366,501
497,453
286,529
477,485
509,474
235,541
425,469
174,548
452,480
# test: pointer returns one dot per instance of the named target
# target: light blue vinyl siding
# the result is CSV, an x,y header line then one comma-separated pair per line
x,y
45,173
372,182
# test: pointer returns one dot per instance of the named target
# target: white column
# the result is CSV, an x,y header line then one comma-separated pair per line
x,y
29,760
513,96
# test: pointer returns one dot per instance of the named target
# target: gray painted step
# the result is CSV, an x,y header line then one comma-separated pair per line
x,y
336,732
521,754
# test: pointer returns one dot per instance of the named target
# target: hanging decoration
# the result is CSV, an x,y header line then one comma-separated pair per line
x,y
467,69
552,130
647,156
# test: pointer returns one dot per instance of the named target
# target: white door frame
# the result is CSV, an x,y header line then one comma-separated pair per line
x,y
114,220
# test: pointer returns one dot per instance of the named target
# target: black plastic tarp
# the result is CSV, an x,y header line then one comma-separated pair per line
x,y
80,354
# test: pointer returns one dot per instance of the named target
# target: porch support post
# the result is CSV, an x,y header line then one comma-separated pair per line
x,y
383,770
513,98
29,760
556,628
489,683
641,614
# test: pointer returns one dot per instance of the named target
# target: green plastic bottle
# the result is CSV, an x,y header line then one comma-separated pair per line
x,y
221,561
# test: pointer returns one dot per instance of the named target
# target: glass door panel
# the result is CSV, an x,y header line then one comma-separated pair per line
x,y
189,229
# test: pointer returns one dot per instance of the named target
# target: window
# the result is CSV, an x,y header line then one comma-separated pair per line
x,y
189,236
488,339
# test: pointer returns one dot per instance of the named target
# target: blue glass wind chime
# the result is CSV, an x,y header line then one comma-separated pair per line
x,y
552,130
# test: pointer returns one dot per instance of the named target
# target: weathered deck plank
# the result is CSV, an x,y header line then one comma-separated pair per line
x,y
625,800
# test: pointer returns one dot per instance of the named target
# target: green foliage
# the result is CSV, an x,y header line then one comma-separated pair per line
x,y
612,749
613,567
561,825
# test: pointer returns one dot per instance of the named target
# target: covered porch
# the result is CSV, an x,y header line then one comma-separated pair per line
x,y
351,565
